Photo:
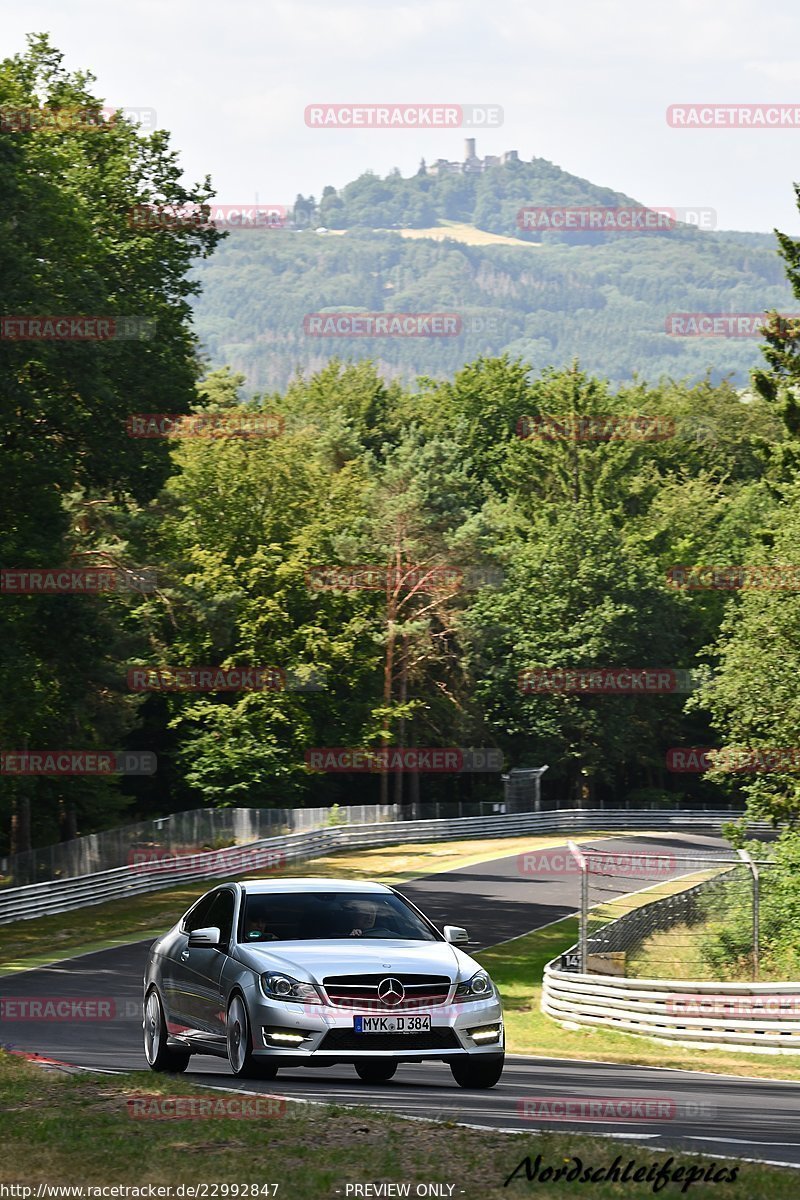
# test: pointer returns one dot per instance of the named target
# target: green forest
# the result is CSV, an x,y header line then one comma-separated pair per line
x,y
548,552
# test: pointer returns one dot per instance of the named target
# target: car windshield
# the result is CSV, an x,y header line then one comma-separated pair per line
x,y
307,916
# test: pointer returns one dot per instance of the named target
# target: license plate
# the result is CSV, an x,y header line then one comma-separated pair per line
x,y
396,1024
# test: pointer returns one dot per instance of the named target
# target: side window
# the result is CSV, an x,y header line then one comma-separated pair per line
x,y
221,915
196,917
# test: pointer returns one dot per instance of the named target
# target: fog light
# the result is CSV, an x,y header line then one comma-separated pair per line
x,y
283,1037
487,1033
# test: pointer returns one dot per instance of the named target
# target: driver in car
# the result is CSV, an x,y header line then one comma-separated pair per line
x,y
257,930
364,914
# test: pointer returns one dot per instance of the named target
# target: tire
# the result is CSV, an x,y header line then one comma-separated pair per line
x,y
376,1070
159,1055
477,1072
243,1062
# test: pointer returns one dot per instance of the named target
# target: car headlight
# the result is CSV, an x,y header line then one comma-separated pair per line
x,y
476,988
283,987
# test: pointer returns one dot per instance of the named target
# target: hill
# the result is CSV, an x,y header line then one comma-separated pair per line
x,y
452,242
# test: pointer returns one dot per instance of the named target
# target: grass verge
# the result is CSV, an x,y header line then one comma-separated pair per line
x,y
77,1129
676,953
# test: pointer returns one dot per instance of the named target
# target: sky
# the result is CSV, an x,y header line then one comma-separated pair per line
x,y
586,84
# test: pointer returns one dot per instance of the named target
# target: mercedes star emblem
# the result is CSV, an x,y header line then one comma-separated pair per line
x,y
391,992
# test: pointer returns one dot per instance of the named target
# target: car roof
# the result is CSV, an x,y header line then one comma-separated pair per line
x,y
256,886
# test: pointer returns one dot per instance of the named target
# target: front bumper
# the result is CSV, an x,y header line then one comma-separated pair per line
x,y
328,1033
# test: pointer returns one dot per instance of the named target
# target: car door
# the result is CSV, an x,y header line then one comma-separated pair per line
x,y
203,966
174,973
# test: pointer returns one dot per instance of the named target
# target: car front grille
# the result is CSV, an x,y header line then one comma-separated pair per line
x,y
361,991
347,1039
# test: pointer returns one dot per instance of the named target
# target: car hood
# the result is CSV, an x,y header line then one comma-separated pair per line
x,y
312,961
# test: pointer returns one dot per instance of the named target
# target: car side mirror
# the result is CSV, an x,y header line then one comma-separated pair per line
x,y
205,937
455,935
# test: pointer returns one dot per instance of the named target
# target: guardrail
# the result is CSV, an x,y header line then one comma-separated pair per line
x,y
752,1017
189,832
64,895
755,1017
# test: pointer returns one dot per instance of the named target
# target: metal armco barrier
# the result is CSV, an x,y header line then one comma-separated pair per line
x,y
753,1017
63,895
188,832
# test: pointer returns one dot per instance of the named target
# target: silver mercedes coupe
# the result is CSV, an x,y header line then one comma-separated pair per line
x,y
312,972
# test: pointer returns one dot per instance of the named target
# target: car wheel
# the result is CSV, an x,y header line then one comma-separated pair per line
x,y
477,1072
159,1055
240,1044
376,1070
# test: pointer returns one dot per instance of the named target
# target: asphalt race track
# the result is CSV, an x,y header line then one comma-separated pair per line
x,y
710,1114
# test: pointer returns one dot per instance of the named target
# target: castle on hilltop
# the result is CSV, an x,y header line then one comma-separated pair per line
x,y
472,165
